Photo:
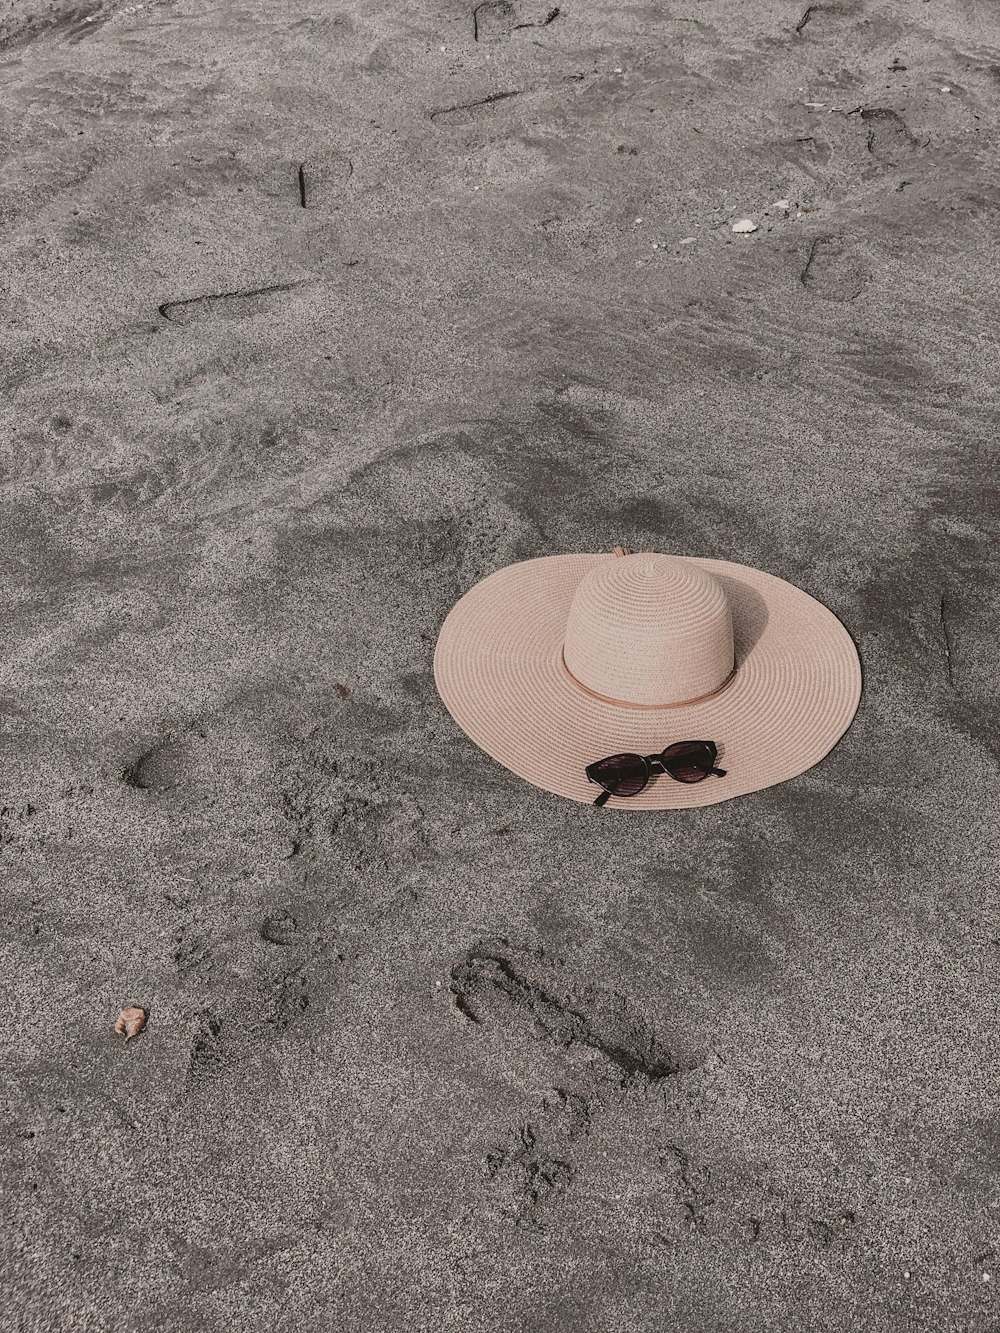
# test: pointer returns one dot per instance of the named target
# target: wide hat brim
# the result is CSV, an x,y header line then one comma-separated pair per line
x,y
499,670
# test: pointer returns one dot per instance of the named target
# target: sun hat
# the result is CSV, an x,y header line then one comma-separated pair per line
x,y
554,663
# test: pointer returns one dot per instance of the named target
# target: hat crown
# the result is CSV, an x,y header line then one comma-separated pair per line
x,y
651,630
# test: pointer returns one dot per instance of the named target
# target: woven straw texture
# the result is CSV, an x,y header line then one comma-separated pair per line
x,y
647,632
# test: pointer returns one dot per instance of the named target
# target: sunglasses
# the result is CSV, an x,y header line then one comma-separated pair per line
x,y
628,774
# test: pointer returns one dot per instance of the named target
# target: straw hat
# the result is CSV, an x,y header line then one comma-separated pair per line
x,y
552,664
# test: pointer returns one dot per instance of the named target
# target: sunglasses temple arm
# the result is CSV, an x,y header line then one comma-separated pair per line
x,y
719,772
604,796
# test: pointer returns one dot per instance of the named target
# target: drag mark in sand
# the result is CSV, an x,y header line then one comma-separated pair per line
x,y
813,249
202,305
550,17
477,105
488,982
71,25
946,635
805,18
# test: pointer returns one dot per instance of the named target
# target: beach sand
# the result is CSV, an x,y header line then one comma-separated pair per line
x,y
313,316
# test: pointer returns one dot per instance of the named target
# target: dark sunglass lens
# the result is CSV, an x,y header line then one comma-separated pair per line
x,y
688,761
621,774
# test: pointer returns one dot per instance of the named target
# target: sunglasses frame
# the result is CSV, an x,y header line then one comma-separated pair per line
x,y
648,761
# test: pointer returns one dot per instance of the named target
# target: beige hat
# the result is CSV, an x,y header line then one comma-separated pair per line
x,y
552,664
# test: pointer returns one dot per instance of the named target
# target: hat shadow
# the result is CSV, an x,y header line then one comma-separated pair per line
x,y
750,615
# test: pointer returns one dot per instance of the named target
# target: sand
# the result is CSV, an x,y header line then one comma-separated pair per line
x,y
314,315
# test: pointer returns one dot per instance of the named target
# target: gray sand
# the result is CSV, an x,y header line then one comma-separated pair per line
x,y
429,1049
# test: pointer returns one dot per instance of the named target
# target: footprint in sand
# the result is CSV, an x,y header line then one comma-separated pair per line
x,y
496,983
493,21
534,1167
169,763
833,271
889,139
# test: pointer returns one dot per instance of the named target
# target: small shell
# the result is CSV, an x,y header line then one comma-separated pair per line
x,y
130,1022
745,225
